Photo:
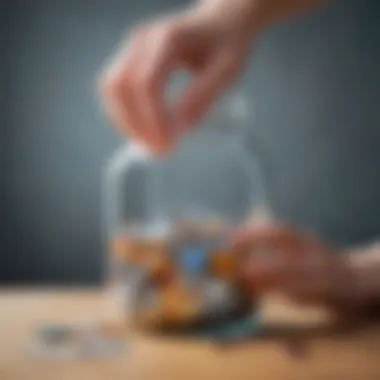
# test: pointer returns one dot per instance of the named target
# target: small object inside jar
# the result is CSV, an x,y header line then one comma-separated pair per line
x,y
224,263
185,268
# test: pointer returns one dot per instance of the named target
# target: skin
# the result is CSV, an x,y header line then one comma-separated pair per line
x,y
309,271
212,40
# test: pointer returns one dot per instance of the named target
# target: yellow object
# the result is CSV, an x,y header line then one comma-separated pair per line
x,y
178,304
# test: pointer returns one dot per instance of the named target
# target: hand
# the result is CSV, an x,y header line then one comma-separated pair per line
x,y
298,265
211,40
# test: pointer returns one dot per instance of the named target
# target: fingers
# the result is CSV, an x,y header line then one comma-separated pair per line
x,y
280,257
206,86
134,90
276,238
264,274
157,65
133,87
118,95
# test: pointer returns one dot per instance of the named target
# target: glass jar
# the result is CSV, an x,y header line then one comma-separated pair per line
x,y
169,220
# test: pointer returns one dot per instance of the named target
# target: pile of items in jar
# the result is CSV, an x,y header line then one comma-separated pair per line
x,y
183,276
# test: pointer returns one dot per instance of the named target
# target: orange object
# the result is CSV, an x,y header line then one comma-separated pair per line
x,y
223,264
160,268
178,304
120,247
138,251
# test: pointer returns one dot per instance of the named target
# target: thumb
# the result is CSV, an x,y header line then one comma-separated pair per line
x,y
205,87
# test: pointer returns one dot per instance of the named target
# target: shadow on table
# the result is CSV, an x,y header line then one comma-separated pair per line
x,y
296,340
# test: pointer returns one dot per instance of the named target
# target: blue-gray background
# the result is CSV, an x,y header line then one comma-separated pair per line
x,y
315,82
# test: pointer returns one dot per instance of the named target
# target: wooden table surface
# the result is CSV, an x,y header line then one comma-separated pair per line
x,y
350,355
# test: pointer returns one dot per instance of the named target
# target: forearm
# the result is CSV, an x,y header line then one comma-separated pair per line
x,y
259,14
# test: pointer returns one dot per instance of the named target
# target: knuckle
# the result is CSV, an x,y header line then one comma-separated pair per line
x,y
118,82
169,35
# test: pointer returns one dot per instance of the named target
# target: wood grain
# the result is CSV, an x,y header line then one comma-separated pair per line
x,y
297,344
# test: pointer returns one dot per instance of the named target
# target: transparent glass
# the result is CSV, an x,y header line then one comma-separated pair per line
x,y
211,181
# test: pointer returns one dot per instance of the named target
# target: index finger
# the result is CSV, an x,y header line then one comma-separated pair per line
x,y
276,239
159,63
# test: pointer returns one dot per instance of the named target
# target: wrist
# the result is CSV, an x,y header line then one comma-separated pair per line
x,y
256,15
357,290
241,14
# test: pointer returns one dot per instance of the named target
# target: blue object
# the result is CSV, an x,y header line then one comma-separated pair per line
x,y
193,259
